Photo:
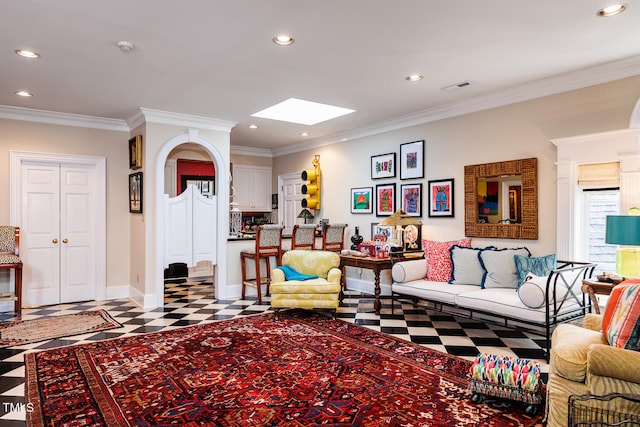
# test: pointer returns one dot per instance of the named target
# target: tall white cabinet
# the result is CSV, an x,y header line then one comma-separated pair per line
x,y
252,185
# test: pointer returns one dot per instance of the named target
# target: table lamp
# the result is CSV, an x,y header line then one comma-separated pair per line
x,y
304,213
400,219
624,230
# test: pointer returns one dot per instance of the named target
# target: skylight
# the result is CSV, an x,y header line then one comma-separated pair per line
x,y
302,112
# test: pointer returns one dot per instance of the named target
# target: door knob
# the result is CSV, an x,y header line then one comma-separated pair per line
x,y
65,241
55,240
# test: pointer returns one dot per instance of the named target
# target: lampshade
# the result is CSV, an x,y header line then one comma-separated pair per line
x,y
623,230
401,218
304,213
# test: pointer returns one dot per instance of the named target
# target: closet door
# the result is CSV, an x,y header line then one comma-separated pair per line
x,y
57,240
40,233
77,242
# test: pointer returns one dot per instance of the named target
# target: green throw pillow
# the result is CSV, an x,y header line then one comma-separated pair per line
x,y
540,266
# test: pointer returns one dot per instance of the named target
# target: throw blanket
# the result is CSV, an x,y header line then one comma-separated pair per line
x,y
291,274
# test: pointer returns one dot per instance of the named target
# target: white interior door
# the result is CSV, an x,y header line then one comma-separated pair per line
x,y
40,233
58,243
290,199
77,241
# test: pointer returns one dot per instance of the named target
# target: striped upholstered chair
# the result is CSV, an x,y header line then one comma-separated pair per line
x,y
323,291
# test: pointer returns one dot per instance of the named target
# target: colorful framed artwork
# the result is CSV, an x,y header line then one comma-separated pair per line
x,y
362,200
412,160
412,237
385,199
488,198
383,166
135,152
381,232
441,198
411,196
135,192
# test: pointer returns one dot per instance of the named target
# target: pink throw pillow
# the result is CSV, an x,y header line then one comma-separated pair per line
x,y
439,258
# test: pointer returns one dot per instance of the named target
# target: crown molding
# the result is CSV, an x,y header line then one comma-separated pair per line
x,y
63,119
251,151
577,79
147,115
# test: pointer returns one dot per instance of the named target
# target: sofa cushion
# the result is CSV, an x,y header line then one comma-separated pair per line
x,y
500,267
622,324
406,271
532,292
439,258
570,346
540,266
466,267
432,291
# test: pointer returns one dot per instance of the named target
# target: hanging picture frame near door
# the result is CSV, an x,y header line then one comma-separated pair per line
x,y
135,192
135,152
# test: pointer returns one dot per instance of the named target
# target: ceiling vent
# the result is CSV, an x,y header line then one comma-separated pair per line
x,y
456,86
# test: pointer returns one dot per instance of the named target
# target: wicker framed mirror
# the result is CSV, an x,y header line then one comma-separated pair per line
x,y
517,219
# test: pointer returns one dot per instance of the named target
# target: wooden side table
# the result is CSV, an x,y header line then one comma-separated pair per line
x,y
595,287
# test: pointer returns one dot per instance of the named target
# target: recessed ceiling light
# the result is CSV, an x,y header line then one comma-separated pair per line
x,y
414,78
125,46
23,93
283,40
304,134
612,10
27,53
253,126
302,112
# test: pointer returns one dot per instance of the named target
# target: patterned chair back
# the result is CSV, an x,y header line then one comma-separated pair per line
x,y
269,239
8,240
303,236
333,237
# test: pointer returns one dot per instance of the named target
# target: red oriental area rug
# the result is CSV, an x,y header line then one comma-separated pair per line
x,y
297,369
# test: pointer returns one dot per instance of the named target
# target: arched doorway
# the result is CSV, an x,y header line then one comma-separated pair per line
x,y
222,217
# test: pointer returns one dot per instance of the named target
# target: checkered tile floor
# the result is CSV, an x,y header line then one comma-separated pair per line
x,y
193,303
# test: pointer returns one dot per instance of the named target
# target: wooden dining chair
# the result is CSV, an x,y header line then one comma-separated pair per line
x,y
268,245
333,237
10,259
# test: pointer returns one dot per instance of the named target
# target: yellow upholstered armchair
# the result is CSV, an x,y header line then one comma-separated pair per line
x,y
583,363
320,291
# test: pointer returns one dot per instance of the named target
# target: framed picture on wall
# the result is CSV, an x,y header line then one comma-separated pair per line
x,y
412,160
135,152
411,196
383,166
205,184
385,199
441,198
135,192
361,200
381,232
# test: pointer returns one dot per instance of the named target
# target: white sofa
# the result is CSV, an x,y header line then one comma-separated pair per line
x,y
562,288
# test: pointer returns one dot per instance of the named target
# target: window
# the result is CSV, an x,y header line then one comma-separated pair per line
x,y
598,203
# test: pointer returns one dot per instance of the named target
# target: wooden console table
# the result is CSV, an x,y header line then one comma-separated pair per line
x,y
376,265
595,287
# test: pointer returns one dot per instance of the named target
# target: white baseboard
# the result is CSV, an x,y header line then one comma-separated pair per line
x,y
367,287
143,300
117,292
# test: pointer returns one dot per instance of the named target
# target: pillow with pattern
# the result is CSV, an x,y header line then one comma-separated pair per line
x,y
621,320
439,258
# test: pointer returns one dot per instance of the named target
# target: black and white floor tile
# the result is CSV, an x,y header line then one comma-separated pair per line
x,y
194,303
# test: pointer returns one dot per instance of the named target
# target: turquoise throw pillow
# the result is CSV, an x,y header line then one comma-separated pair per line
x,y
540,266
291,274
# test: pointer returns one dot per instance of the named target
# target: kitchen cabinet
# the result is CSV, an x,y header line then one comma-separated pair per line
x,y
252,185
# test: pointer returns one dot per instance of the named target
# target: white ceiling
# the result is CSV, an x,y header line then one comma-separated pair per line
x,y
215,58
